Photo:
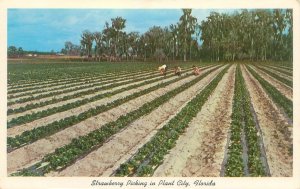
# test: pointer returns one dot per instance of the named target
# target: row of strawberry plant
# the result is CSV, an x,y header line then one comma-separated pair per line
x,y
285,67
71,76
42,72
111,82
79,147
37,115
151,154
67,97
275,95
43,131
281,70
276,76
74,84
242,119
51,82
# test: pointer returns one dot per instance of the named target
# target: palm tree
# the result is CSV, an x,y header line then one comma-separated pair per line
x,y
87,42
98,37
174,32
186,29
118,24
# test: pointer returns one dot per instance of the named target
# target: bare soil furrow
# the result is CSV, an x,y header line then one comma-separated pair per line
x,y
119,148
58,87
9,117
278,73
87,87
274,127
200,150
59,81
16,130
30,154
282,69
284,89
26,85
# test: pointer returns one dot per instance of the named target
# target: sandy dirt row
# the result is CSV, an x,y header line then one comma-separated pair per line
x,y
276,133
46,89
46,82
9,117
32,153
50,82
18,105
14,106
278,73
117,80
199,152
107,158
16,130
279,68
284,89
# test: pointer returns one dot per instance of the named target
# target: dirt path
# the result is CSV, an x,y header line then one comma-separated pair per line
x,y
200,150
59,81
89,87
11,132
286,70
18,105
103,161
9,117
276,132
30,154
26,85
46,90
277,73
284,89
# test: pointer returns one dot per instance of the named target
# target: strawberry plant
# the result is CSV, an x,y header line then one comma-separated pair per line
x,y
81,146
150,156
275,95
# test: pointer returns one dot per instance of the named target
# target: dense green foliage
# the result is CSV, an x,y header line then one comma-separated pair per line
x,y
242,119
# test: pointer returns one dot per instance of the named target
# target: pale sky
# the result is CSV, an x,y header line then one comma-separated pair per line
x,y
48,29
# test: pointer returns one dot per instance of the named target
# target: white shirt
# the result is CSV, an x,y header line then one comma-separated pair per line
x,y
162,67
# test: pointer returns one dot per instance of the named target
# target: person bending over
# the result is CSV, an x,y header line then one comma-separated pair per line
x,y
177,71
196,70
163,69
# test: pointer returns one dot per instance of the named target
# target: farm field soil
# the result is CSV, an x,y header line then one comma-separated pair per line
x,y
277,135
278,73
16,130
18,105
73,85
200,150
284,89
80,98
126,142
29,154
153,125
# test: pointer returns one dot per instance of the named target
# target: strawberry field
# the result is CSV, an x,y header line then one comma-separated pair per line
x,y
125,119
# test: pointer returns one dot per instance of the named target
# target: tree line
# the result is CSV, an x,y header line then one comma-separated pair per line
x,y
18,52
245,35
255,35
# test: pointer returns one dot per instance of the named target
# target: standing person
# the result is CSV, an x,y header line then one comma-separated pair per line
x,y
177,71
196,70
163,69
